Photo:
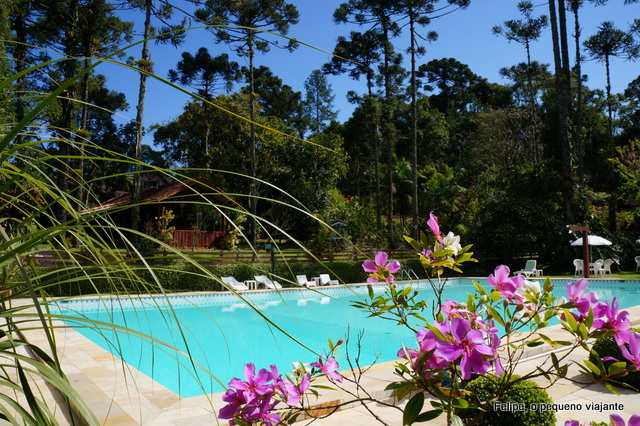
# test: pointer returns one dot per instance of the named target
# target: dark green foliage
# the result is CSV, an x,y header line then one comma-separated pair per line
x,y
607,346
522,392
208,74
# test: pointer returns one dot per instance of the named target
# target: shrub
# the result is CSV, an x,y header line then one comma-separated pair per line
x,y
607,346
523,392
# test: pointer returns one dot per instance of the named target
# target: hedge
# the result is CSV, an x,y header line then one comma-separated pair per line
x,y
186,277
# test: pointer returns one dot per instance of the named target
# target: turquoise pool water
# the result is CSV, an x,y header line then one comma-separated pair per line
x,y
221,333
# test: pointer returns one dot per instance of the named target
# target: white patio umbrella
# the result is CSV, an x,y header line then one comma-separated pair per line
x,y
594,240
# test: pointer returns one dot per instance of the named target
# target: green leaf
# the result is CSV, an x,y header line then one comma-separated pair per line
x,y
427,416
460,403
582,331
481,290
394,385
413,243
437,332
612,388
592,367
405,390
471,304
589,321
495,314
413,408
548,340
617,368
571,321
554,361
457,421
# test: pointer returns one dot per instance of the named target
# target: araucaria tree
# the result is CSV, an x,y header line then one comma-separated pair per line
x,y
318,102
380,16
525,32
243,23
207,74
610,42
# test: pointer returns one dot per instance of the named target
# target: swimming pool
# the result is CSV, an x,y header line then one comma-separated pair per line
x,y
221,333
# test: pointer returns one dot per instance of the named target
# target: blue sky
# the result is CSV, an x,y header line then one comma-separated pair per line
x,y
464,35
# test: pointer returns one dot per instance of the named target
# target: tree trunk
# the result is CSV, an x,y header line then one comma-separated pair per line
x,y
577,30
253,198
563,91
414,130
142,91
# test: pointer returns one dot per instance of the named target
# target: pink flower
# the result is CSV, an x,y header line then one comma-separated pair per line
x,y
612,319
584,301
294,392
381,269
435,227
255,385
264,412
629,345
427,341
469,345
494,344
506,286
328,368
452,309
617,420
235,400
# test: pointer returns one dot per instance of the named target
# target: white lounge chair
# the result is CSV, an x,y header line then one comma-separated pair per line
x,y
234,284
304,282
325,279
267,282
529,269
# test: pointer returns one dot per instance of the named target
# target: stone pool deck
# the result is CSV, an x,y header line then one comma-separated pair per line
x,y
122,396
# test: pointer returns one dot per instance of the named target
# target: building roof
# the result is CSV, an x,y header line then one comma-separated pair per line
x,y
188,187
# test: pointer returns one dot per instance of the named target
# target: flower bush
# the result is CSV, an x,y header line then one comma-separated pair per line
x,y
260,397
488,333
522,395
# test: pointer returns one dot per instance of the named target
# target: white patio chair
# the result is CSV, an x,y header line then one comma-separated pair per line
x,y
606,265
579,265
234,284
637,262
596,268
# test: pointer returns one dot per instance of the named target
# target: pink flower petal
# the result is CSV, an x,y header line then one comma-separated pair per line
x,y
381,258
394,266
369,266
